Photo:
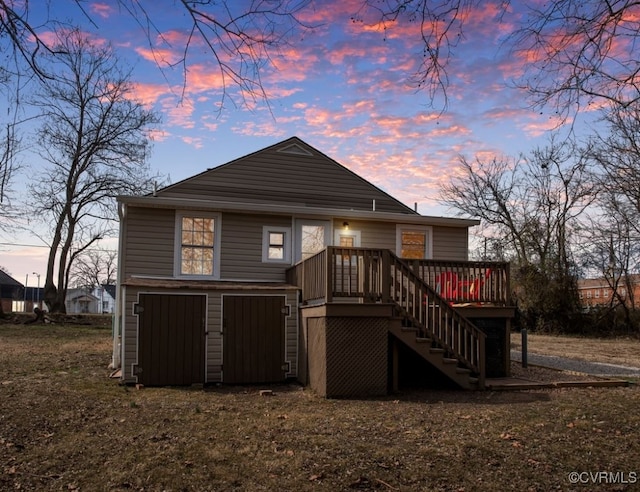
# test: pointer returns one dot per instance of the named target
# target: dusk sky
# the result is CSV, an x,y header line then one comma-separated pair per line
x,y
342,87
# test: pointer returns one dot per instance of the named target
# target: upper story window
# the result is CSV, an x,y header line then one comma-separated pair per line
x,y
197,247
413,242
276,244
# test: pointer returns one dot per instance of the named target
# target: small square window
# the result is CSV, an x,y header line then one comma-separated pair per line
x,y
276,245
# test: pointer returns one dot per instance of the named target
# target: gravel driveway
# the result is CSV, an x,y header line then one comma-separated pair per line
x,y
592,368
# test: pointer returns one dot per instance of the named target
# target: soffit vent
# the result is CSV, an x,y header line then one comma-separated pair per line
x,y
294,149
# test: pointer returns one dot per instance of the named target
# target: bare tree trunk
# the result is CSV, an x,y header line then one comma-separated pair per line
x,y
50,290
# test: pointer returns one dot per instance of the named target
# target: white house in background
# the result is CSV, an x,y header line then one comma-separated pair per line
x,y
106,295
97,300
81,301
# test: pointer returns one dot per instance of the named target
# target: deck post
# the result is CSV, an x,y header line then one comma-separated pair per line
x,y
481,362
385,281
329,262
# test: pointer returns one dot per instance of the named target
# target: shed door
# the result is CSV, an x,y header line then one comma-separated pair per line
x,y
253,339
171,339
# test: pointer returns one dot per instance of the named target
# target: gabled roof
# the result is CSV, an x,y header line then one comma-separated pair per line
x,y
290,173
111,289
9,286
6,279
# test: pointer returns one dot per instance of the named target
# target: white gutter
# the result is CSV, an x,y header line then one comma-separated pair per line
x,y
118,345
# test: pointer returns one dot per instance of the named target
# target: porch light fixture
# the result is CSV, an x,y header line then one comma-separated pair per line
x,y
345,225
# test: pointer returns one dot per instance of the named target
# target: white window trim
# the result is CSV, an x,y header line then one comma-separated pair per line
x,y
286,244
177,250
299,222
428,230
356,235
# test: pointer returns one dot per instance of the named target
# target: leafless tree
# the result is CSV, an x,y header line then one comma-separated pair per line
x,y
240,36
533,206
575,52
613,249
95,141
440,28
10,142
581,52
94,267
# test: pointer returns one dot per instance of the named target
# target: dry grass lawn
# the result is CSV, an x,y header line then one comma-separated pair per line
x,y
65,426
622,351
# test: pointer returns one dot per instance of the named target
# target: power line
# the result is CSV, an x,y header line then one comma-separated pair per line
x,y
49,247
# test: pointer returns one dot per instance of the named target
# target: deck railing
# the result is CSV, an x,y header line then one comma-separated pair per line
x,y
358,273
419,289
461,282
436,319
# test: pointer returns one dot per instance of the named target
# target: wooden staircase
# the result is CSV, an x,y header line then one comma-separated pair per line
x,y
426,322
437,357
433,329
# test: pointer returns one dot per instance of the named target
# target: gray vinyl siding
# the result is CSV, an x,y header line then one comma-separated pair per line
x,y
148,249
451,243
241,248
448,243
378,235
274,177
214,321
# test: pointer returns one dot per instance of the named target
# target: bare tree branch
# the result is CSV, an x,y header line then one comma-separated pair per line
x,y
581,53
95,140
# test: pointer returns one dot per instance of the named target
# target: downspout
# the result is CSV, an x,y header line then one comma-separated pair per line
x,y
118,341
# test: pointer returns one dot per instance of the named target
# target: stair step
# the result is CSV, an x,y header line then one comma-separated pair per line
x,y
448,360
463,370
423,340
436,351
408,329
473,380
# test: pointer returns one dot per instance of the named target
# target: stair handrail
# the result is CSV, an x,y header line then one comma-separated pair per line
x,y
432,315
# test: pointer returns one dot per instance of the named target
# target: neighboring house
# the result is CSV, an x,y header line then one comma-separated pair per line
x,y
10,291
283,264
94,300
106,295
81,301
599,292
15,297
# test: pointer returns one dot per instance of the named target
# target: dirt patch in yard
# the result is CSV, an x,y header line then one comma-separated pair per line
x,y
64,425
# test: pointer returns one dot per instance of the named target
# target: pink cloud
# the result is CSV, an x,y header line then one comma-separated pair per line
x,y
539,128
195,142
158,55
149,94
101,9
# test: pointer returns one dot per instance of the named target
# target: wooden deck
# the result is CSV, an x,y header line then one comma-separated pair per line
x,y
428,298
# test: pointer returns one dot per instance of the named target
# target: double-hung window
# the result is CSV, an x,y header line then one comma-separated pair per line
x,y
197,244
276,244
413,242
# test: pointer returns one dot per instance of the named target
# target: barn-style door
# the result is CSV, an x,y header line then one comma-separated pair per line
x,y
253,339
171,339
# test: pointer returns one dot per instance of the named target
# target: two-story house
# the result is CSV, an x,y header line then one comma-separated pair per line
x,y
284,264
